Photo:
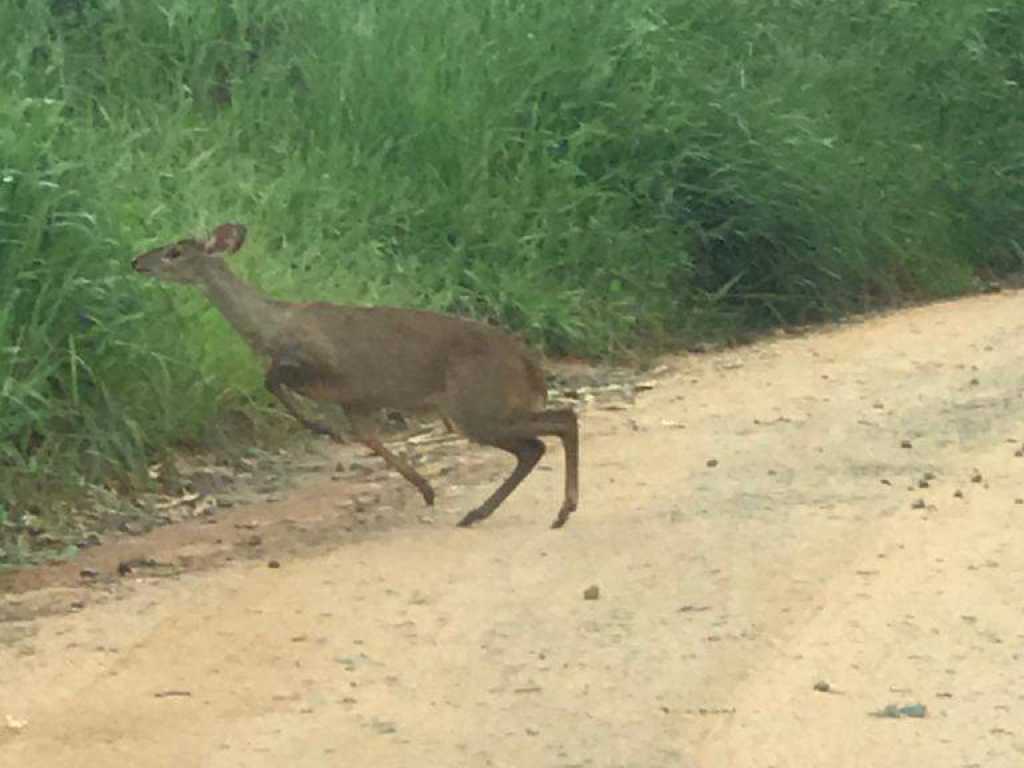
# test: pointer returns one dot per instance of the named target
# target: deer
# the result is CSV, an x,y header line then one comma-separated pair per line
x,y
364,359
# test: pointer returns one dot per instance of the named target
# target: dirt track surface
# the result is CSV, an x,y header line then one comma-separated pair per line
x,y
844,507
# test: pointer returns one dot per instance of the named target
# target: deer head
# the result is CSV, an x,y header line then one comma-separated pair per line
x,y
184,260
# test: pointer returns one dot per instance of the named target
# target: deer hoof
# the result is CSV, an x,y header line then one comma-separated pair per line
x,y
563,515
469,519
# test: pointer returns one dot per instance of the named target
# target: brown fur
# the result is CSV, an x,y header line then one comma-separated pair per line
x,y
476,377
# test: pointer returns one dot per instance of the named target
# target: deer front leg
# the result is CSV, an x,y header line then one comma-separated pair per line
x,y
365,431
283,375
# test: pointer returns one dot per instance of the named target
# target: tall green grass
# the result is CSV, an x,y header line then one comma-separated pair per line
x,y
595,175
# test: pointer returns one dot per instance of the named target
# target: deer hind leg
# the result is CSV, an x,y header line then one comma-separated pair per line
x,y
366,432
527,452
522,439
562,423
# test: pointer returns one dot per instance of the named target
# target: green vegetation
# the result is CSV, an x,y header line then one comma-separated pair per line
x,y
597,175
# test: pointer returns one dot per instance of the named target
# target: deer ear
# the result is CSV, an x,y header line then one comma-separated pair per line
x,y
226,237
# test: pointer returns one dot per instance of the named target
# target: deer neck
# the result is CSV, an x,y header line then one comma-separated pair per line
x,y
255,316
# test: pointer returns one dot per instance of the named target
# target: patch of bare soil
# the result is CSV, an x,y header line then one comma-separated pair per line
x,y
800,553
308,498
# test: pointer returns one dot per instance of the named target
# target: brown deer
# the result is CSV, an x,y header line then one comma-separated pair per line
x,y
369,358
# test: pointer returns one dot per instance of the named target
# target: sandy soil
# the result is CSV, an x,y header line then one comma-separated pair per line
x,y
842,509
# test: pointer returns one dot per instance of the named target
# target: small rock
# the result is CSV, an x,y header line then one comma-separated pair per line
x,y
592,592
89,573
712,462
127,566
976,477
273,564
384,727
254,541
822,686
918,504
906,444
172,694
893,711
958,494
691,608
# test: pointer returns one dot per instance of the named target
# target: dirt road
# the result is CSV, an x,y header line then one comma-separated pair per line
x,y
842,508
